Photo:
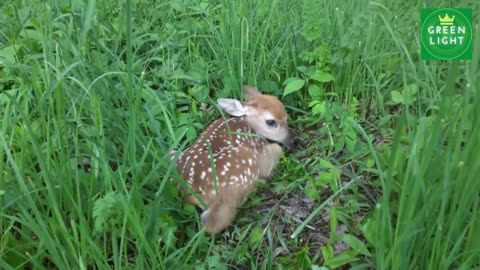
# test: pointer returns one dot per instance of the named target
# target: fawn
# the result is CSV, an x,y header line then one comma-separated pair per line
x,y
232,155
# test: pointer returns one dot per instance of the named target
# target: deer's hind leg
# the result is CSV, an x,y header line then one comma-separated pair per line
x,y
222,212
236,182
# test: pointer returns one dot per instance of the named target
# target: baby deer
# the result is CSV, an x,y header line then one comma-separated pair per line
x,y
232,155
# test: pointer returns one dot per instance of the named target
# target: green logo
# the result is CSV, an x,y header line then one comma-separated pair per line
x,y
446,34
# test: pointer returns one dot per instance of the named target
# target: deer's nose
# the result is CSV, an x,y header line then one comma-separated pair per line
x,y
289,141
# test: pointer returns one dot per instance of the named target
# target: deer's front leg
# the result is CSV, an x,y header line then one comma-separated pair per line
x,y
268,159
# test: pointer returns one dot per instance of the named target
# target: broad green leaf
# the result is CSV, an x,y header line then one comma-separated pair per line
x,y
370,163
339,144
191,134
302,69
321,76
410,89
303,260
355,243
369,228
315,92
316,267
325,164
180,75
181,131
7,55
311,191
323,179
200,93
350,143
293,86
319,108
408,93
313,103
397,98
215,262
255,236
327,252
32,34
341,259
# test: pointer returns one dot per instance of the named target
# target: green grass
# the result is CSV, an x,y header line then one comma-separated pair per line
x,y
93,95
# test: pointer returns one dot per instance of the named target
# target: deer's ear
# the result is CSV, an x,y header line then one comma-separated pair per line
x,y
232,106
249,92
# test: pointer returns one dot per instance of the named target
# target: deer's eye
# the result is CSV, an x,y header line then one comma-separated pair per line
x,y
271,123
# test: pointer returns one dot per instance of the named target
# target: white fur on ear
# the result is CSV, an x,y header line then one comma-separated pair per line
x,y
232,106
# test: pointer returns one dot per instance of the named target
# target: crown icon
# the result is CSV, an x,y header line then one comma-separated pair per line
x,y
446,20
